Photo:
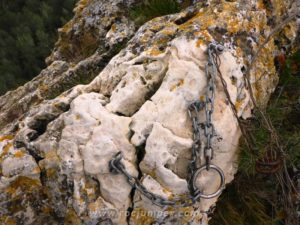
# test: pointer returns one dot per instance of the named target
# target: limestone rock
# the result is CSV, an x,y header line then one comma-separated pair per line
x,y
136,105
85,45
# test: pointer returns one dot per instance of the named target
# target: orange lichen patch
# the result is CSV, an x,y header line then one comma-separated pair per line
x,y
167,191
290,31
145,37
9,221
187,26
71,218
6,149
90,188
199,42
154,52
178,84
93,207
234,25
229,6
238,105
43,87
51,173
168,32
265,61
186,212
157,25
204,19
66,28
257,90
114,28
36,170
181,82
6,137
205,34
239,52
279,7
51,155
260,5
19,154
22,184
81,5
140,216
161,41
152,173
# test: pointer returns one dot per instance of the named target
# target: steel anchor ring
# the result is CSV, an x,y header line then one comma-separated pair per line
x,y
222,184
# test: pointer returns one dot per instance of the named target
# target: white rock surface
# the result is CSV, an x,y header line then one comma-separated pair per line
x,y
90,138
137,105
163,123
154,97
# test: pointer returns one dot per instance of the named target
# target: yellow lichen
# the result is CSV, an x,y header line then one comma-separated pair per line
x,y
36,170
140,216
178,84
51,173
186,213
260,5
168,32
114,28
199,42
81,5
152,173
43,87
6,149
71,218
19,154
51,155
154,52
233,25
23,183
66,28
202,98
238,105
10,221
6,137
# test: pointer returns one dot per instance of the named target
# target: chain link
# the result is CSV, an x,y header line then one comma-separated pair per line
x,y
195,168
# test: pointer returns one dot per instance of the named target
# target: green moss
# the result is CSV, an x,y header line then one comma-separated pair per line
x,y
148,10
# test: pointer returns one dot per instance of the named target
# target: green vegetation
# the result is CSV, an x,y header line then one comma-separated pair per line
x,y
256,198
149,9
28,31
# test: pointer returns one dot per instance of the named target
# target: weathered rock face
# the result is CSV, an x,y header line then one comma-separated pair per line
x,y
55,164
85,46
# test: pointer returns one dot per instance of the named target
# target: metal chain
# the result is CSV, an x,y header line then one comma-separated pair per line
x,y
211,73
116,166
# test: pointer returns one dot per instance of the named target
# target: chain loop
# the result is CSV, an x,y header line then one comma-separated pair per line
x,y
116,166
